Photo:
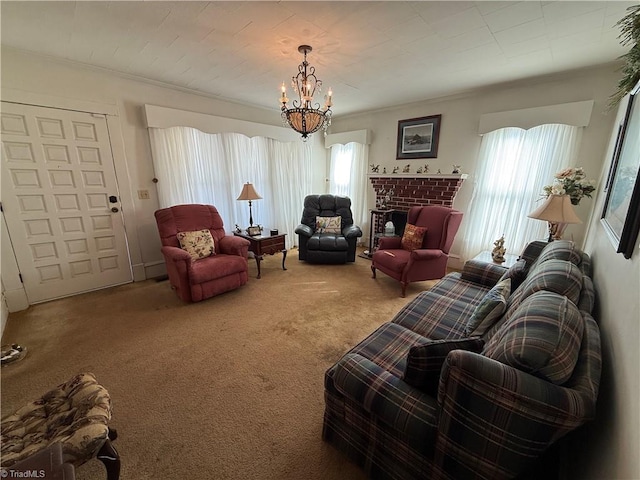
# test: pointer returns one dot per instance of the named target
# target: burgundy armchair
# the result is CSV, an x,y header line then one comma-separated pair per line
x,y
195,280
428,262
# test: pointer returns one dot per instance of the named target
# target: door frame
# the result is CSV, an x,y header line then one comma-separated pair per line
x,y
13,290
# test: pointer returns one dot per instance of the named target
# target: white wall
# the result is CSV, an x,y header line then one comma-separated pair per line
x,y
34,74
609,446
460,142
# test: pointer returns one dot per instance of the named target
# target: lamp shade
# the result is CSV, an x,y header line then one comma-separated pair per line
x,y
248,193
557,209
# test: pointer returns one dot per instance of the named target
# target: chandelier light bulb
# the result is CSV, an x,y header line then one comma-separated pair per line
x,y
304,116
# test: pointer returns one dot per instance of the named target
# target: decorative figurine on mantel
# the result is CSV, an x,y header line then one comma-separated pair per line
x,y
497,254
395,169
419,170
456,169
384,170
426,168
439,172
374,168
406,168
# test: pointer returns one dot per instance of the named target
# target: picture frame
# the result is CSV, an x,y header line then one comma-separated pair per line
x,y
253,231
621,212
418,137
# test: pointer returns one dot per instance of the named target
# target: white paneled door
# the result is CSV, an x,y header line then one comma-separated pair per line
x,y
60,201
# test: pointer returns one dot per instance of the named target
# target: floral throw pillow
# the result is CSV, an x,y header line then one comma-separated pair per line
x,y
199,244
413,237
329,224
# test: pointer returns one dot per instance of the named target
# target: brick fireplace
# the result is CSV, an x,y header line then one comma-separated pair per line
x,y
410,190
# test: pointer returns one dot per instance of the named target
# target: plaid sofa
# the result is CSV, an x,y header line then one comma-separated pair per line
x,y
497,400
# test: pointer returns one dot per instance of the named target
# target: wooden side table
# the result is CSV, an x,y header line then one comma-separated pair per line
x,y
509,259
261,245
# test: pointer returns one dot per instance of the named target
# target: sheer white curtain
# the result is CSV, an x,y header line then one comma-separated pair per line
x,y
348,177
513,166
197,167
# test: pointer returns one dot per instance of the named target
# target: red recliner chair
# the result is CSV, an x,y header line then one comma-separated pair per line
x,y
194,280
428,262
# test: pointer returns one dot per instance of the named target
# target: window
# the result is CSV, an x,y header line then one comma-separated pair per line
x,y
348,178
513,166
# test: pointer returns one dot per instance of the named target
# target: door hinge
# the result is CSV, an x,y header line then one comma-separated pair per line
x,y
20,277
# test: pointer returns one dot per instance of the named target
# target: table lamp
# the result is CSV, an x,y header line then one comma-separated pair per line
x,y
558,212
249,193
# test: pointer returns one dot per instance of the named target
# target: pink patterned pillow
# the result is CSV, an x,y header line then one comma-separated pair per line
x,y
199,244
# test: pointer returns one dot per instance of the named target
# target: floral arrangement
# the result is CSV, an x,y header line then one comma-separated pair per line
x,y
571,181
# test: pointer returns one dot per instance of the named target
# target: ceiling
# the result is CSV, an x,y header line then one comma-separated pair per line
x,y
372,54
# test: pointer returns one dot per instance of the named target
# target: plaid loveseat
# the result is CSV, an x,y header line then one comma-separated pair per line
x,y
423,398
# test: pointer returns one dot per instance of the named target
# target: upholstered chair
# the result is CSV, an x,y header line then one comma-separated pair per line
x,y
423,251
75,414
202,261
326,233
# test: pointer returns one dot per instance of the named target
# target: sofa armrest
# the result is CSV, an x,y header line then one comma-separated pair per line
x,y
232,245
485,403
380,393
175,254
304,230
389,243
422,254
352,231
482,273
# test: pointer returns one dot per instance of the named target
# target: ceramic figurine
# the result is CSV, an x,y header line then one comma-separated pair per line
x,y
456,169
406,168
374,168
419,170
497,254
426,168
395,169
439,171
384,170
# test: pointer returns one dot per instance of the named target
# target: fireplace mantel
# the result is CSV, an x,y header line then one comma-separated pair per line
x,y
411,189
418,176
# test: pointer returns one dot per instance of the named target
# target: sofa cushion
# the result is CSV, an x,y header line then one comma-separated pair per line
x,y
560,250
199,243
413,237
327,242
215,267
492,306
328,224
543,338
517,273
558,276
424,361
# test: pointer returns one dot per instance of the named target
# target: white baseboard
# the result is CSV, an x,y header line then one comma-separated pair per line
x,y
16,300
155,269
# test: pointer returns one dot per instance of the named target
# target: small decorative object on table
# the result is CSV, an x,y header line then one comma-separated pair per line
x,y
385,198
389,229
497,254
253,231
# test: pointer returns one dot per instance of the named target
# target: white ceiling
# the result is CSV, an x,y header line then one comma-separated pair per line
x,y
372,54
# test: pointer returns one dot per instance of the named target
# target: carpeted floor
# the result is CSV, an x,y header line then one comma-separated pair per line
x,y
228,388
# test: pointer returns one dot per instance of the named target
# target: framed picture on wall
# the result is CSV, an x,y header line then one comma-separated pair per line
x,y
621,213
418,137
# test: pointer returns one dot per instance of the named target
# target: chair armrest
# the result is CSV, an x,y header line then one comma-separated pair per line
x,y
389,243
482,273
175,254
304,230
485,403
352,231
380,393
421,254
232,245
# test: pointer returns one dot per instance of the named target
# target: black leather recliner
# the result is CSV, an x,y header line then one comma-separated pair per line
x,y
317,247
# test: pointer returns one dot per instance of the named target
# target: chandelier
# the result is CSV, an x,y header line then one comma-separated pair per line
x,y
305,117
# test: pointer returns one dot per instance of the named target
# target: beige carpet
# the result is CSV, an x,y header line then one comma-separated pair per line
x,y
228,388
